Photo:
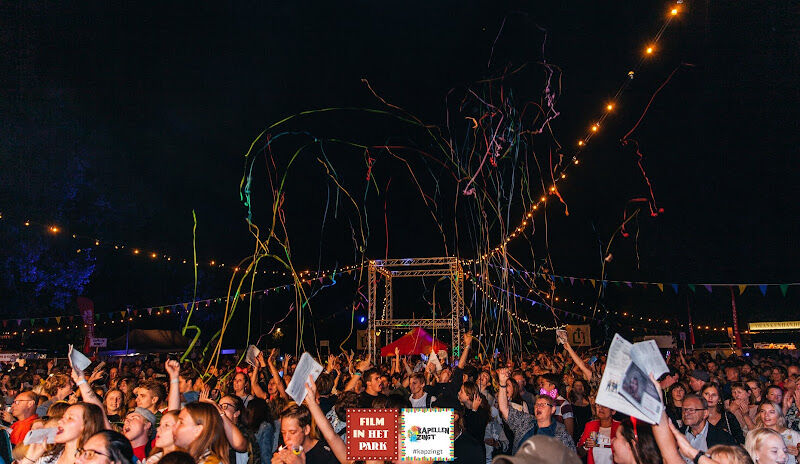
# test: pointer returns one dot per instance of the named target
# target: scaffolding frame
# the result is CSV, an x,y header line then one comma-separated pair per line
x,y
389,269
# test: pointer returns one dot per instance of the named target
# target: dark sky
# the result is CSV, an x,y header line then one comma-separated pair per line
x,y
162,101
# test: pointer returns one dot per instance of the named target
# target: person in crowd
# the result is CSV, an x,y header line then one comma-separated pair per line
x,y
177,457
113,404
770,416
756,391
372,386
475,413
674,403
581,408
138,427
258,421
298,439
773,394
57,387
199,431
766,446
186,380
551,385
419,398
150,394
595,442
79,423
244,448
466,448
526,396
741,407
523,425
105,447
697,380
241,387
701,434
23,409
718,416
164,442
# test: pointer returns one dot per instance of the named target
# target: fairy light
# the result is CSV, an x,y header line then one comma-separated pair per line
x,y
595,127
649,50
153,255
610,107
54,229
136,251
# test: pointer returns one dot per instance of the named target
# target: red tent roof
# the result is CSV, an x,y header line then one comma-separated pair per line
x,y
418,341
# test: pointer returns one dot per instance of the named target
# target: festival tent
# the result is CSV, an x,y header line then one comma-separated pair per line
x,y
150,341
418,341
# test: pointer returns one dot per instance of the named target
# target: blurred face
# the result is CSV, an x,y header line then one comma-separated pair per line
x,y
677,393
64,391
415,386
184,385
775,395
793,371
239,382
135,427
520,379
23,406
623,454
272,387
444,376
113,401
70,426
292,433
712,396
577,387
604,413
112,373
695,384
731,374
374,383
740,395
547,385
755,390
185,430
693,412
777,376
746,369
543,410
712,367
229,409
769,416
164,437
145,399
483,380
771,451
94,451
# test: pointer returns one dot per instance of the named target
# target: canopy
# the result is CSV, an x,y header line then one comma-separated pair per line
x,y
150,341
418,341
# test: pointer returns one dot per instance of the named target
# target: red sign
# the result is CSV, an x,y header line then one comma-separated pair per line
x,y
372,434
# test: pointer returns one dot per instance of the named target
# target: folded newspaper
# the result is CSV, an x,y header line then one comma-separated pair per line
x,y
297,386
626,386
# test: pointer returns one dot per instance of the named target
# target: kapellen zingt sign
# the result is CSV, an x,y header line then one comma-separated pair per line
x,y
785,325
427,434
372,434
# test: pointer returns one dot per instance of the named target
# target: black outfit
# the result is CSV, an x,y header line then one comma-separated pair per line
x,y
365,399
716,436
730,424
475,423
320,454
468,450
327,402
448,390
583,414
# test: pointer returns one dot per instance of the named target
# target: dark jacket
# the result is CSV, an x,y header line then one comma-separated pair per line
x,y
716,436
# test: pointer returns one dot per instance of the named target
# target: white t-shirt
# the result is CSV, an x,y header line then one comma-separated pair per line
x,y
790,438
420,402
602,452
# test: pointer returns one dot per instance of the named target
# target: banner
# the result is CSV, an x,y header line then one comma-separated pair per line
x,y
785,325
427,434
372,434
579,335
86,308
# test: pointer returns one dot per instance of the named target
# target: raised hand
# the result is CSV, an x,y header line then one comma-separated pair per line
x,y
173,368
502,376
365,364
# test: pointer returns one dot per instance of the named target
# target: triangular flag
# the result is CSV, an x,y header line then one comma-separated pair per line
x,y
32,321
675,287
149,311
691,287
19,322
784,288
46,320
122,313
605,283
763,289
616,283
742,287
572,280
660,286
629,284
708,287
5,323
241,297
185,306
58,319
592,281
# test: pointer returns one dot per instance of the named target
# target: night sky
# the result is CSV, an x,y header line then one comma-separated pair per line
x,y
159,103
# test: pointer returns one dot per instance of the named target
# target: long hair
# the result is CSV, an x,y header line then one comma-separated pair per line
x,y
778,409
572,396
118,447
174,415
93,422
641,440
729,454
255,413
720,406
212,438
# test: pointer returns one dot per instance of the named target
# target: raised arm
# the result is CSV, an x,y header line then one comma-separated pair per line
x,y
235,437
360,368
502,398
334,441
87,393
173,369
462,361
587,373
274,371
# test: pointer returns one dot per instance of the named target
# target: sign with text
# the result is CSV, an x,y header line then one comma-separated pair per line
x,y
372,434
579,335
427,434
98,342
785,325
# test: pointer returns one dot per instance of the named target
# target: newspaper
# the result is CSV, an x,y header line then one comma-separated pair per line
x,y
626,386
251,357
78,359
297,387
44,435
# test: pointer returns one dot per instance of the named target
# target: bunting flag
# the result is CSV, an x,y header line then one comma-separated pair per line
x,y
708,287
763,289
661,287
691,287
675,287
784,288
742,288
58,319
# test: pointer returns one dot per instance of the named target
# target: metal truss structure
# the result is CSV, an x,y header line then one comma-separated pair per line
x,y
389,269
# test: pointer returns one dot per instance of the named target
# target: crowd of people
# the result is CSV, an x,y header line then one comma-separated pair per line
x,y
534,407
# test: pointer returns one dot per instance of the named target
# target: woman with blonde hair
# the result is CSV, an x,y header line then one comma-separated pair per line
x,y
724,454
199,431
766,446
770,416
79,422
165,441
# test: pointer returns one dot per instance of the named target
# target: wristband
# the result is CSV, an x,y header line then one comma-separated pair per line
x,y
358,373
80,382
699,455
174,381
28,459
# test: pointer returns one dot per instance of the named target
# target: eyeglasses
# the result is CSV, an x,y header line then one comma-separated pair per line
x,y
88,454
225,406
693,410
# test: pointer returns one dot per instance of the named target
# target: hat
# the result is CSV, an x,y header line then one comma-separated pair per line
x,y
540,449
700,375
149,416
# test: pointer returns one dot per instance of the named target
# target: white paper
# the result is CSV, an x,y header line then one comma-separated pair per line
x,y
297,387
78,360
45,435
626,386
251,357
561,336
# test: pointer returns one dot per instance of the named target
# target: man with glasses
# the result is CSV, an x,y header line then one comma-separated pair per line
x,y
24,410
701,434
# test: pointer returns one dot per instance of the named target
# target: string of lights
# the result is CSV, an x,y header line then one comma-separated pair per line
x,y
609,108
